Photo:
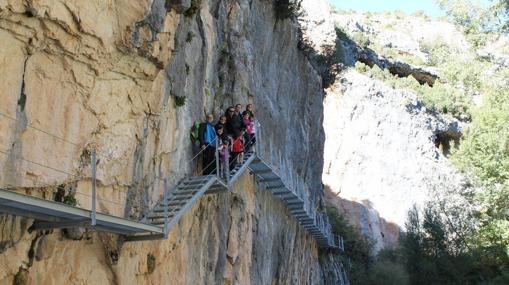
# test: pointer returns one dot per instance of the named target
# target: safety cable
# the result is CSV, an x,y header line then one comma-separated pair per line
x,y
40,130
40,164
70,191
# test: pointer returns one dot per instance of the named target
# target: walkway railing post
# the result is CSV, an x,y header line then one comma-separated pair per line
x,y
165,205
227,167
257,137
94,222
217,158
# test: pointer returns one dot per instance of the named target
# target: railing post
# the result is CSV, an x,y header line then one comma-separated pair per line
x,y
93,217
217,158
227,167
257,137
165,204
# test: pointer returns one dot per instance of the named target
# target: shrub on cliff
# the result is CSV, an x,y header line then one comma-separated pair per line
x,y
195,6
287,9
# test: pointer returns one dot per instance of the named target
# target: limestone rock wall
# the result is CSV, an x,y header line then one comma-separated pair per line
x,y
104,75
381,156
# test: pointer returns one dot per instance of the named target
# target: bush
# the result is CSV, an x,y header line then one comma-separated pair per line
x,y
69,199
387,273
195,6
326,64
442,97
432,256
484,151
287,9
180,101
189,37
361,39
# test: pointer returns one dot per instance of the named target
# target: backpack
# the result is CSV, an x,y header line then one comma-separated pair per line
x,y
195,130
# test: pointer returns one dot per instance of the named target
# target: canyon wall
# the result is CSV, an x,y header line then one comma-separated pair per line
x,y
128,79
385,151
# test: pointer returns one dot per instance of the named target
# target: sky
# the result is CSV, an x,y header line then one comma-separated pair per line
x,y
408,6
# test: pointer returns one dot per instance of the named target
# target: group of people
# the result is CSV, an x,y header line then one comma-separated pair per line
x,y
235,134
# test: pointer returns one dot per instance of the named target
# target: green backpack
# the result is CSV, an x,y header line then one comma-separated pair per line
x,y
195,130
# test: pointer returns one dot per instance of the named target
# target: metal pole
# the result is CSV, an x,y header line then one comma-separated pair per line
x,y
165,205
257,137
228,168
217,158
94,222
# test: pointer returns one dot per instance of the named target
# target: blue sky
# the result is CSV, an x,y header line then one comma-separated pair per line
x,y
409,6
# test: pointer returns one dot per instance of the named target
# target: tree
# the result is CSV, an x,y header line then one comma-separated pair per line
x,y
477,18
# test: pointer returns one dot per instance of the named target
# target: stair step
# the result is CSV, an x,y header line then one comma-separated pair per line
x,y
191,186
182,197
161,216
161,209
192,182
178,202
185,192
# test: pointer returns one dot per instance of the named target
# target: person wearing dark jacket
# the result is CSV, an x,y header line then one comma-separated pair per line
x,y
207,137
234,120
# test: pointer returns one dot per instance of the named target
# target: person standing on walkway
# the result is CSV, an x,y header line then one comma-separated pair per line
x,y
207,137
234,120
249,136
221,123
250,110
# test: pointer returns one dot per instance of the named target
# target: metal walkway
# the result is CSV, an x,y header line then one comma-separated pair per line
x,y
315,223
49,215
175,203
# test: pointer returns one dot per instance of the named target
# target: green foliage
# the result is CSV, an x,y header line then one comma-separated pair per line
x,y
438,52
357,247
195,6
207,92
151,263
180,101
484,151
385,272
361,39
397,55
341,34
442,97
477,20
326,63
189,37
287,9
431,256
223,47
69,199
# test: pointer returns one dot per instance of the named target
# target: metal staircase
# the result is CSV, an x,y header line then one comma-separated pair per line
x,y
175,202
315,223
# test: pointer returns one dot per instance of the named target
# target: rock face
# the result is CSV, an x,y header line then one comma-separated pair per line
x,y
104,76
381,154
401,32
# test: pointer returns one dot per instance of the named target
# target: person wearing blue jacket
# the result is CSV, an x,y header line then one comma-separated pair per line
x,y
207,137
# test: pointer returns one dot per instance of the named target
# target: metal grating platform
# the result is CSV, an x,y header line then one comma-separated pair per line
x,y
316,224
50,214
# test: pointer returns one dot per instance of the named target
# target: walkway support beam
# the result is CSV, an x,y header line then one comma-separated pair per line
x,y
94,210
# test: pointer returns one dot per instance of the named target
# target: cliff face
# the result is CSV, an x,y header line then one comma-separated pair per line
x,y
106,75
381,156
385,151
